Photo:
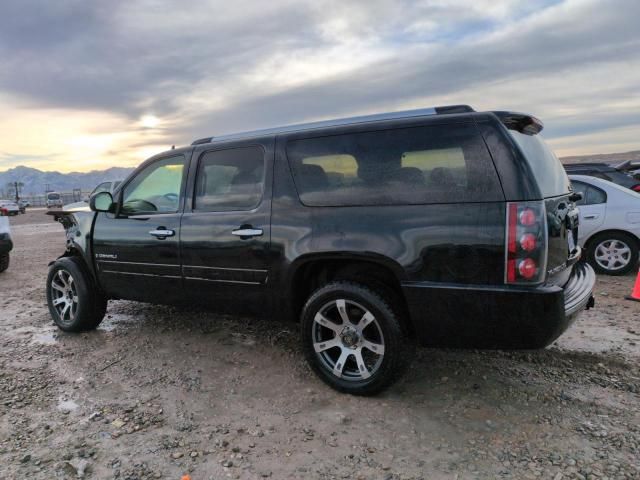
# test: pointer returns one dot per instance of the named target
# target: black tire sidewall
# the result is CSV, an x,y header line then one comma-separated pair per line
x,y
627,239
88,313
4,262
396,349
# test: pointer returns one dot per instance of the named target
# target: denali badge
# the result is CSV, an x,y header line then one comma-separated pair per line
x,y
107,255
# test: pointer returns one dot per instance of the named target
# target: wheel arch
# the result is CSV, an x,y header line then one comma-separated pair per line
x,y
588,242
311,271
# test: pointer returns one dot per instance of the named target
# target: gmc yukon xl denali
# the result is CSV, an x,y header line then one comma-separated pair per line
x,y
444,226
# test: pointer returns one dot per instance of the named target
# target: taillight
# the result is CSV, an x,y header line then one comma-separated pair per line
x,y
526,243
636,188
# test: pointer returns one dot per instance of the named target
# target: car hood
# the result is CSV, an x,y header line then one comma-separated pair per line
x,y
76,207
4,226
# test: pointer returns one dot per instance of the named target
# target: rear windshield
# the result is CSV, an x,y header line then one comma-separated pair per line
x,y
434,164
547,169
53,196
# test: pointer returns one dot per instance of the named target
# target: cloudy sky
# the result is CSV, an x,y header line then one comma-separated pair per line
x,y
92,84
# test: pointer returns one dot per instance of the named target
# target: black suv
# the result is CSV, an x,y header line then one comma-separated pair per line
x,y
445,225
613,173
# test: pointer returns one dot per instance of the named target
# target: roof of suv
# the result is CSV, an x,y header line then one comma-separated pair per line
x,y
517,121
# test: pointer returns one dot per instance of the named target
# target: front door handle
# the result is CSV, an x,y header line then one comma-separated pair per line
x,y
247,232
162,233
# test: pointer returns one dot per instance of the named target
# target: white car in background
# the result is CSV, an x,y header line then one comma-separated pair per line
x,y
9,207
609,228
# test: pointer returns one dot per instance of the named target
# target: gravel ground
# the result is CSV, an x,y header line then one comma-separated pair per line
x,y
158,392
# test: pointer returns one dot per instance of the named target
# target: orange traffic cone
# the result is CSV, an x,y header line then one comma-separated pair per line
x,y
635,294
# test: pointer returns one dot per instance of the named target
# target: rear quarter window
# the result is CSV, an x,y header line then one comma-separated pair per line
x,y
430,164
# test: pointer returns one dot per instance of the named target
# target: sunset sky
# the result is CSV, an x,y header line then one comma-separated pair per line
x,y
92,84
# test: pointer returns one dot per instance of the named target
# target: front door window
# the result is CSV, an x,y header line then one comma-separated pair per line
x,y
155,189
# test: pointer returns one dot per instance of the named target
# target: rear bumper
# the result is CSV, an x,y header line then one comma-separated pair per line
x,y
471,316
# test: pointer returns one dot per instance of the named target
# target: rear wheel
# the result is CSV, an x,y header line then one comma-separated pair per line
x,y
4,262
353,339
74,302
613,253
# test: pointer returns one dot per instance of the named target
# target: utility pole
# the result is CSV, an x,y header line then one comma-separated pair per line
x,y
17,186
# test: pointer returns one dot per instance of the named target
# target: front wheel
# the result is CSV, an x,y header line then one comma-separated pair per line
x,y
613,253
74,302
353,339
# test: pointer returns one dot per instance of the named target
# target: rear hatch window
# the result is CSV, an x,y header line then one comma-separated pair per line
x,y
547,169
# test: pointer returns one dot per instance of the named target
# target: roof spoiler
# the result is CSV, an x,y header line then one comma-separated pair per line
x,y
520,122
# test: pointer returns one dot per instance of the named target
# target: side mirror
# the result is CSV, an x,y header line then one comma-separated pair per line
x,y
101,202
575,197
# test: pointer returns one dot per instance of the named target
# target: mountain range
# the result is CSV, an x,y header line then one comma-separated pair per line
x,y
36,181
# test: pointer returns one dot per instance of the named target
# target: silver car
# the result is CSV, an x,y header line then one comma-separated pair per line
x,y
609,224
8,207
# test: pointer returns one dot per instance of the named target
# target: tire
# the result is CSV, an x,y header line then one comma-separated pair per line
x,y
4,262
347,361
83,307
617,248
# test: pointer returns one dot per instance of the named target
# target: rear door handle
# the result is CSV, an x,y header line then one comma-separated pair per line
x,y
162,233
247,232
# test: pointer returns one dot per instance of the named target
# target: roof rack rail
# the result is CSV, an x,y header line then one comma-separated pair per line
x,y
443,110
449,109
200,141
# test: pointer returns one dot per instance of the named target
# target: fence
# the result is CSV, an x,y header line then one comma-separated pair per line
x,y
67,197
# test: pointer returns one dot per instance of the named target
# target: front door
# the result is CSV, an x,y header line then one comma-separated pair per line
x,y
225,231
137,250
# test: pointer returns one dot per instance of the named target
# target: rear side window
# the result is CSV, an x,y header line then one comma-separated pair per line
x,y
590,195
547,169
230,179
435,164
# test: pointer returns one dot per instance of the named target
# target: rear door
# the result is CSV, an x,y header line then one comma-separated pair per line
x,y
225,230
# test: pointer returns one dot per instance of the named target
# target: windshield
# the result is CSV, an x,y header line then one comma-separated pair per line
x,y
547,169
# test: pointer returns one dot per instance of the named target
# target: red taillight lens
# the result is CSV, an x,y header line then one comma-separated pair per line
x,y
526,242
636,188
527,268
527,217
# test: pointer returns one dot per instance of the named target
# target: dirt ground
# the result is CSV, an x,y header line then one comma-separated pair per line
x,y
158,392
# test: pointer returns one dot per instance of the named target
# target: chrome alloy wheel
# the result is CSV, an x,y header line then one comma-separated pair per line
x,y
64,296
348,340
612,255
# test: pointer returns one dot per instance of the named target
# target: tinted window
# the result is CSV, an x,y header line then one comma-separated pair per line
x,y
155,189
582,188
230,179
590,195
595,196
437,164
547,169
